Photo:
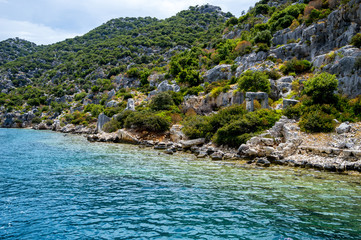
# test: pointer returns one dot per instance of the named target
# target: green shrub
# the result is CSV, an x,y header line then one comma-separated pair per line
x,y
254,81
263,37
297,66
147,121
193,91
94,109
80,96
197,127
356,40
111,126
36,120
293,112
162,101
121,117
321,88
317,121
238,132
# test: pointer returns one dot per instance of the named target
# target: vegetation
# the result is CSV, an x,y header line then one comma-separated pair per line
x,y
254,81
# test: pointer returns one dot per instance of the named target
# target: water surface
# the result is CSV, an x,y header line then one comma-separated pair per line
x,y
62,187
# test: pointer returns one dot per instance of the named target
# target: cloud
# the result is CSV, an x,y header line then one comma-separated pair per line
x,y
36,33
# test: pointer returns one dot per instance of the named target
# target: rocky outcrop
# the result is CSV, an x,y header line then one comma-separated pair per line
x,y
204,105
121,136
164,87
102,119
251,96
218,73
130,105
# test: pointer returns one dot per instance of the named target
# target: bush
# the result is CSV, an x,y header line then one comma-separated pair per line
x,y
297,66
121,117
317,121
147,121
254,81
36,120
162,101
243,47
321,88
111,126
238,132
263,37
80,96
197,127
293,112
356,40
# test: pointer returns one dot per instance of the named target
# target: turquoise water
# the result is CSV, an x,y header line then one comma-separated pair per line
x,y
62,187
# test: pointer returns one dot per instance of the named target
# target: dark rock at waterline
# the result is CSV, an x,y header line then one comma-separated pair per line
x,y
217,156
263,162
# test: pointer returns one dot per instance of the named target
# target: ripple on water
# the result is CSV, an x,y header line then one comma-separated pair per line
x,y
64,187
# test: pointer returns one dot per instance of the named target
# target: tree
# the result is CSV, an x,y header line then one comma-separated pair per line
x,y
162,101
254,81
321,88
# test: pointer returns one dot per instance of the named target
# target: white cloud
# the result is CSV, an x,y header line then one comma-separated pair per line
x,y
36,33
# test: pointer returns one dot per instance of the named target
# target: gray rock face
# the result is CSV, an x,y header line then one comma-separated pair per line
x,y
130,105
343,128
336,31
125,82
206,104
102,119
164,87
112,103
247,61
220,72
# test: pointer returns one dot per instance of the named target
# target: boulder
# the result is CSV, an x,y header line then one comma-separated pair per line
x,y
217,156
343,128
289,102
263,162
189,143
220,72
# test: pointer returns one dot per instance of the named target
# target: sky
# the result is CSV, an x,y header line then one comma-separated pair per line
x,y
50,21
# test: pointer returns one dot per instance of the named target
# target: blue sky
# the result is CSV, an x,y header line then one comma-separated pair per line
x,y
50,21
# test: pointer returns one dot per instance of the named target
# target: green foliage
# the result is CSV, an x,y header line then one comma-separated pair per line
x,y
263,37
283,19
207,126
238,132
111,126
162,101
294,112
321,88
36,120
122,116
232,21
193,91
261,9
356,40
297,66
254,81
317,121
147,121
94,109
80,96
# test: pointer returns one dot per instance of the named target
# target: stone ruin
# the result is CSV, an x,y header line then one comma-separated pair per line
x,y
261,96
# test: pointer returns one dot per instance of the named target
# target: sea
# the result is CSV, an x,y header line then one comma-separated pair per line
x,y
56,186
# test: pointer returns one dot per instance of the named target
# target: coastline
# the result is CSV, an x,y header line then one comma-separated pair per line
x,y
283,144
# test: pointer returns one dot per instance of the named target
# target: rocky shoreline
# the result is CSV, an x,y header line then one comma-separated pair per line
x,y
283,144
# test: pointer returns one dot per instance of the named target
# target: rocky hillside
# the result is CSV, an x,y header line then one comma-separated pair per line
x,y
14,48
197,69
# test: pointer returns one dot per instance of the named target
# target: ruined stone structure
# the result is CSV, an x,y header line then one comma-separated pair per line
x,y
261,96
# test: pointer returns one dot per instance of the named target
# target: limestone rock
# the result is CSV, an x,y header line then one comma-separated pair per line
x,y
130,105
102,119
189,143
343,128
220,72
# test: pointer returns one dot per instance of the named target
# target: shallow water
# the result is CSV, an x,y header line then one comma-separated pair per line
x,y
63,187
